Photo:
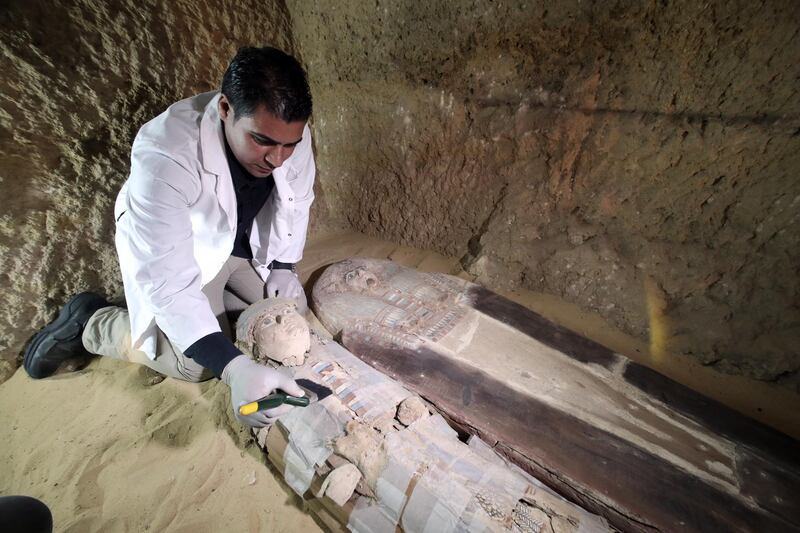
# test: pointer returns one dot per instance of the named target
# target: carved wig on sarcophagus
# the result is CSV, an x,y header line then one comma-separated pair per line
x,y
371,457
616,437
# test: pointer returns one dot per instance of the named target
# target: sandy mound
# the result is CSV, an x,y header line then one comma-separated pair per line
x,y
106,449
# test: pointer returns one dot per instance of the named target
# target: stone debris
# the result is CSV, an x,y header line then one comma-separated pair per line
x,y
363,446
340,484
410,410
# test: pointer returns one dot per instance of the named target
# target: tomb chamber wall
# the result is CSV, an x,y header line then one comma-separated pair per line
x,y
635,158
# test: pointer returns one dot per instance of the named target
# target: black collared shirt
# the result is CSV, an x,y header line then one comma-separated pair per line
x,y
251,195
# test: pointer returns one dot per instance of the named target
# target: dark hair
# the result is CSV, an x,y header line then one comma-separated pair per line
x,y
269,77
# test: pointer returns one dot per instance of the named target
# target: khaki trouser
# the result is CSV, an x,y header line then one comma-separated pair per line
x,y
108,331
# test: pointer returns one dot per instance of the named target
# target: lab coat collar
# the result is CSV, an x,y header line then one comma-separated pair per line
x,y
212,148
212,144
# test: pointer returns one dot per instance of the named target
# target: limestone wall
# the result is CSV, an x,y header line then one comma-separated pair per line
x,y
637,158
78,80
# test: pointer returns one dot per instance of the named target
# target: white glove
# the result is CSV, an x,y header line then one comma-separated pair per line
x,y
250,381
285,283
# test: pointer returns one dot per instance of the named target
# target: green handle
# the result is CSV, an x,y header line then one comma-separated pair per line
x,y
280,398
271,401
299,401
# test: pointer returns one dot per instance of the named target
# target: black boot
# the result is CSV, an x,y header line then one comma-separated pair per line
x,y
61,339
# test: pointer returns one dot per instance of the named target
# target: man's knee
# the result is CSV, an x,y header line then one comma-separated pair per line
x,y
195,378
107,332
190,371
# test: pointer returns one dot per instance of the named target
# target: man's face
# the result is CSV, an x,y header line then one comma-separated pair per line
x,y
261,142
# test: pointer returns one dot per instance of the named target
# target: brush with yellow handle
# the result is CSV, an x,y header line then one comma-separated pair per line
x,y
271,401
314,392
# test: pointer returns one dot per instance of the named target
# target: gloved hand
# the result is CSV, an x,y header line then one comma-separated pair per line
x,y
285,283
250,381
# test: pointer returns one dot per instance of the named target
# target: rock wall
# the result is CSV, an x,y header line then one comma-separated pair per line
x,y
79,79
637,158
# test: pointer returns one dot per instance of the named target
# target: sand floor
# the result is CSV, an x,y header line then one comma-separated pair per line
x,y
110,448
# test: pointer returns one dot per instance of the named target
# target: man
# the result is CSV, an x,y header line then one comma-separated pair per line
x,y
213,217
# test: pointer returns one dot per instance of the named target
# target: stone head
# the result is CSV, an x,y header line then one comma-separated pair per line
x,y
361,279
273,329
354,275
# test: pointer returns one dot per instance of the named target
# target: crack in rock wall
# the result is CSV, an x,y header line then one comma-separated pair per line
x,y
638,159
79,79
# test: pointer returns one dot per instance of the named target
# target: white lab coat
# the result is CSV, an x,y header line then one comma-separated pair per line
x,y
176,221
